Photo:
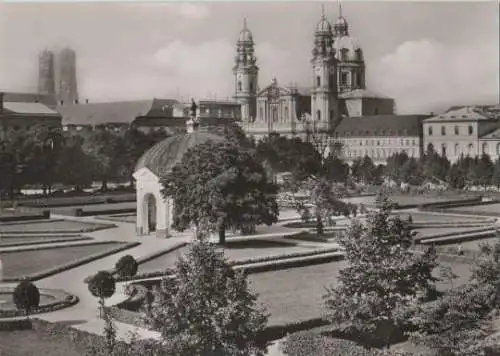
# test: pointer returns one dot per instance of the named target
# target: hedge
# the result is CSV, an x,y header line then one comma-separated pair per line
x,y
70,265
25,216
81,212
453,233
63,300
459,237
92,228
46,241
78,200
15,324
277,259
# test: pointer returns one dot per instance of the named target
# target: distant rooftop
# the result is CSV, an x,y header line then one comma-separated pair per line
x,y
21,108
468,113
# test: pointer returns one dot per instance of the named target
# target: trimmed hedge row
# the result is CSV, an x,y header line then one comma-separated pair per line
x,y
469,212
459,238
453,233
167,272
53,202
450,203
15,324
47,241
26,216
70,265
63,300
80,212
92,228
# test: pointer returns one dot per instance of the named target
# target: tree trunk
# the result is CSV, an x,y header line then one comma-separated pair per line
x,y
104,186
319,225
222,235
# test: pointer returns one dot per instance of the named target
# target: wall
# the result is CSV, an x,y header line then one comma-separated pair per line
x,y
459,144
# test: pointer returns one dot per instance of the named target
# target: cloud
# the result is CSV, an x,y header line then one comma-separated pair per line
x,y
192,11
424,75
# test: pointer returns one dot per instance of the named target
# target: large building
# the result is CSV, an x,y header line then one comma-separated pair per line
x,y
338,90
464,131
25,111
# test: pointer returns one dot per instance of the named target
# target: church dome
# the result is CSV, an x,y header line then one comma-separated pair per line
x,y
246,35
162,157
341,22
323,26
347,48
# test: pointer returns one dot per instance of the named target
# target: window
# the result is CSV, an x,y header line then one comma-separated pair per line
x,y
239,85
430,130
251,86
343,78
443,150
286,112
318,115
470,148
456,130
261,113
331,82
471,130
443,130
457,149
498,148
331,115
318,81
485,148
407,142
344,52
378,143
413,142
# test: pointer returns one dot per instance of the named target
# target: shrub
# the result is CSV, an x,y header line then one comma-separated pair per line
x,y
102,286
26,296
126,267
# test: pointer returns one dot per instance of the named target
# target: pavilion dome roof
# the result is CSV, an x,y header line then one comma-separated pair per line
x,y
162,157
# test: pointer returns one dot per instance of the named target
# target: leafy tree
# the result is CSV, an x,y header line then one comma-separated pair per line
x,y
481,171
336,169
101,146
218,186
26,297
495,178
457,324
434,166
207,309
126,266
411,171
364,170
394,167
457,174
383,276
75,168
102,286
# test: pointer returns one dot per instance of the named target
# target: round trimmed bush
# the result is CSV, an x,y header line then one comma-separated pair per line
x,y
126,266
102,285
26,296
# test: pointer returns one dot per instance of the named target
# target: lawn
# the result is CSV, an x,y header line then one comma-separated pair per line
x,y
296,294
52,226
233,250
7,301
20,263
28,240
31,343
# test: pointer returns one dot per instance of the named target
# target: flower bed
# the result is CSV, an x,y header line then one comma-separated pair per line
x,y
62,300
42,273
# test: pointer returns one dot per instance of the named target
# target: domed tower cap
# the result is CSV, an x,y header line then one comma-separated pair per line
x,y
323,25
245,34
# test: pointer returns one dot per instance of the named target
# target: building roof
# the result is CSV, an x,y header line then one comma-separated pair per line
x,y
362,94
381,125
23,108
46,99
122,112
467,113
162,157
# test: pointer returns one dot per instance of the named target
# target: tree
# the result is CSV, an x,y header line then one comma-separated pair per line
x,y
126,266
75,168
495,178
102,286
394,167
207,309
457,174
26,297
383,276
364,170
434,166
411,172
218,186
336,169
481,171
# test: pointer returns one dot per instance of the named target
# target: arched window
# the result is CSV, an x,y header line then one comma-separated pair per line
x,y
443,150
470,148
318,81
485,148
239,85
471,130
318,115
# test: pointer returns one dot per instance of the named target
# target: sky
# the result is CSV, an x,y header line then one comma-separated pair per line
x,y
426,55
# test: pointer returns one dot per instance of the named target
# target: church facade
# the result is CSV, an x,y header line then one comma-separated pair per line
x,y
338,87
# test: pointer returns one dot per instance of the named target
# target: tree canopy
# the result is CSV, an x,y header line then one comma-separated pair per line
x,y
217,186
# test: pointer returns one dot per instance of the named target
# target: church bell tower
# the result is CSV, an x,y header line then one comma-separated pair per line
x,y
324,94
246,73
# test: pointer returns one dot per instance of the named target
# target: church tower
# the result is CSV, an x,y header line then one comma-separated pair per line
x,y
324,103
246,73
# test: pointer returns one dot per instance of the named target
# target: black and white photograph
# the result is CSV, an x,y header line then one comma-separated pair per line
x,y
254,178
